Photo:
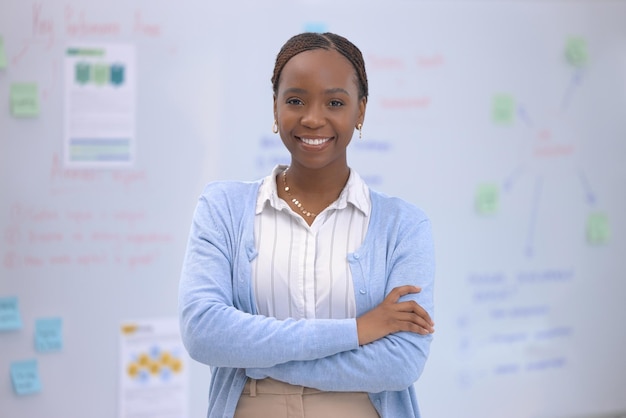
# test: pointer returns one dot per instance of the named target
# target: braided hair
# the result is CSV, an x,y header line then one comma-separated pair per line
x,y
310,40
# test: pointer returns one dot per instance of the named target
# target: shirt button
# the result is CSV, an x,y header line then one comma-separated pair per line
x,y
362,291
357,256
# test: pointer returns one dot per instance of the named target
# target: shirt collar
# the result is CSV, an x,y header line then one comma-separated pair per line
x,y
355,192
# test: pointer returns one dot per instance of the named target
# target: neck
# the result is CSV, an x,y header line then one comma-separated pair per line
x,y
309,194
320,182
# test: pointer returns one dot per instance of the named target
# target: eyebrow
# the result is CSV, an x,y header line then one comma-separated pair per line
x,y
297,90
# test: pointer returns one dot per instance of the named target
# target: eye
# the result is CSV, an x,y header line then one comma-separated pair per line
x,y
335,103
294,101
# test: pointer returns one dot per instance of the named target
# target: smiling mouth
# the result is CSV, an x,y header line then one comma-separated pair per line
x,y
314,141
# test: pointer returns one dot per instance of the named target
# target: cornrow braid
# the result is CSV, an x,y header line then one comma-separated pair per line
x,y
310,40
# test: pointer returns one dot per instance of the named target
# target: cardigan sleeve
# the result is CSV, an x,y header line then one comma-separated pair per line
x,y
389,364
216,329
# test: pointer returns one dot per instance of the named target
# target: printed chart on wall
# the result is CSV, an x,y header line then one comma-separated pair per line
x,y
99,105
153,371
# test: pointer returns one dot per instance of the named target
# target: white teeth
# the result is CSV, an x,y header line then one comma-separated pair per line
x,y
309,141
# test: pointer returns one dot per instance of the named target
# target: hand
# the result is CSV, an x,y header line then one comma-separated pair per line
x,y
392,316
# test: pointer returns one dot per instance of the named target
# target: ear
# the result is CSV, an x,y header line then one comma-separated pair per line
x,y
275,109
362,106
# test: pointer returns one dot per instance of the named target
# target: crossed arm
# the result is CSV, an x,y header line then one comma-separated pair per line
x,y
385,348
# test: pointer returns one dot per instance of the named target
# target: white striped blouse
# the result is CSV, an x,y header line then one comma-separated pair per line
x,y
302,271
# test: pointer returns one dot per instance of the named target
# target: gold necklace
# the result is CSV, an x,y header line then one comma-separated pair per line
x,y
293,199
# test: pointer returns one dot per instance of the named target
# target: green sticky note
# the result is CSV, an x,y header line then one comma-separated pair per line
x,y
48,334
24,99
25,377
576,51
598,231
10,318
487,199
3,55
503,109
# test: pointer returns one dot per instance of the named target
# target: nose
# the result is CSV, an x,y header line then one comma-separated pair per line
x,y
313,117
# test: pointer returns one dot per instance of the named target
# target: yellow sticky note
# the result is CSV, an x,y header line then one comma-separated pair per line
x,y
3,55
487,199
24,99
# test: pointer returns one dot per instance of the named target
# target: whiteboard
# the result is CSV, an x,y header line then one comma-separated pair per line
x,y
504,121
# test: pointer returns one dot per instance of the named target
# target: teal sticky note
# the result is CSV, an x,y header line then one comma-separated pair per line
x,y
3,55
319,27
487,199
24,99
25,377
576,51
503,109
598,230
10,318
49,334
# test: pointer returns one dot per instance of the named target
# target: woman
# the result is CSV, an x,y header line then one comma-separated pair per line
x,y
306,292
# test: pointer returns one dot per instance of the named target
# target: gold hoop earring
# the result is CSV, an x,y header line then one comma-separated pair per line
x,y
359,127
275,126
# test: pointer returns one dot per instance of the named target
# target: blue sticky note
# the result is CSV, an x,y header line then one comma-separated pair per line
x,y
25,377
48,334
319,27
10,318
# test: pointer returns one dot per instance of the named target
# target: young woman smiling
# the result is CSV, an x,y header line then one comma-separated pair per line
x,y
308,293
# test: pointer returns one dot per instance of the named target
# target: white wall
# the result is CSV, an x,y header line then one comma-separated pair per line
x,y
529,310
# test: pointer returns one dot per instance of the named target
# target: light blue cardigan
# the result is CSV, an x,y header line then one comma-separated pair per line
x,y
220,327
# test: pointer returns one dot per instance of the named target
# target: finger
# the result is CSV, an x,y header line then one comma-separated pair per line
x,y
416,329
415,308
409,322
414,323
397,292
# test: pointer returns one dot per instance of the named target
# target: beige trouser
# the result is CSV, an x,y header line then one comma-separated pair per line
x,y
269,398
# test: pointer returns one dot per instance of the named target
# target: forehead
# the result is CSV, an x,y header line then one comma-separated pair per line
x,y
325,67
